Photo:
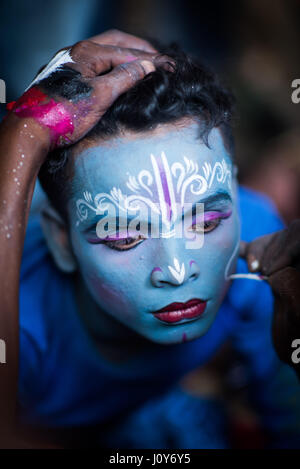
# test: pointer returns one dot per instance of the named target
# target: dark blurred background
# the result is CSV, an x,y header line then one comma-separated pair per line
x,y
255,47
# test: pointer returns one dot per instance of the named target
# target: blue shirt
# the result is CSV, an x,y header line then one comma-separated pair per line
x,y
65,381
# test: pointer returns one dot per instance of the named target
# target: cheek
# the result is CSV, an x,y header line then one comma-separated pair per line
x,y
109,277
108,296
219,255
225,242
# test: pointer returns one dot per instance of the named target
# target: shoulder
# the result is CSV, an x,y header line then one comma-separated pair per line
x,y
47,315
258,214
250,298
44,290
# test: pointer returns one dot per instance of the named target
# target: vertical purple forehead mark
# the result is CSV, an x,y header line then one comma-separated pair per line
x,y
165,188
192,262
184,337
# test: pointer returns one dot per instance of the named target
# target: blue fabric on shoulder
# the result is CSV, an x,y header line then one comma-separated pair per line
x,y
64,380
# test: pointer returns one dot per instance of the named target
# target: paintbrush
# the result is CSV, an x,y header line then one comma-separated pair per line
x,y
258,277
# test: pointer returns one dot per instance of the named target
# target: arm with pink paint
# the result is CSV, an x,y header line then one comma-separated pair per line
x,y
44,118
23,144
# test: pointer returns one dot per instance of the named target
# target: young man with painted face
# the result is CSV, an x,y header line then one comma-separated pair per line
x,y
109,327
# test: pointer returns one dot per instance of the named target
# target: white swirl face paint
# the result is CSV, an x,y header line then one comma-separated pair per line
x,y
170,182
160,170
60,59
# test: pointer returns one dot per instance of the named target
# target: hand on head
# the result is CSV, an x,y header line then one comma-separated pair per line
x,y
102,67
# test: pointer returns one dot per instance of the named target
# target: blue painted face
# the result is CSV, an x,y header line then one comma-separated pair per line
x,y
129,275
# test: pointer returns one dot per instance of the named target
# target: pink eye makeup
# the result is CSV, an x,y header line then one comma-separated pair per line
x,y
212,219
120,241
125,240
123,244
213,215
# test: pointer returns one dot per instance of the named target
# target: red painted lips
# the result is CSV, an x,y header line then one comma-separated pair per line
x,y
175,312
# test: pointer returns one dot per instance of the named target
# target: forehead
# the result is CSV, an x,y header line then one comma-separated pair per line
x,y
104,166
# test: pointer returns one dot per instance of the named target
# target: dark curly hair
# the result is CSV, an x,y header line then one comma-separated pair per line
x,y
163,96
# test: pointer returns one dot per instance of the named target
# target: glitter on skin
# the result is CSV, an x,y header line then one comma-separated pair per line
x,y
50,114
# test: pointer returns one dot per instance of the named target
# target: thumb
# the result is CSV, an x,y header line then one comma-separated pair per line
x,y
251,254
254,251
243,249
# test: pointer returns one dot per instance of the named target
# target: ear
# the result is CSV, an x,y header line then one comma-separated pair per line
x,y
56,235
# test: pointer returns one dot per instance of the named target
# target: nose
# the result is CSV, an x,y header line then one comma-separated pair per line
x,y
175,274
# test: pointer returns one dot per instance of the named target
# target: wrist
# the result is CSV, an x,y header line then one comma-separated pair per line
x,y
50,113
27,133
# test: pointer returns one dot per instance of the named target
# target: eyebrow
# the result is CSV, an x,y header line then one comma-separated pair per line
x,y
93,221
219,196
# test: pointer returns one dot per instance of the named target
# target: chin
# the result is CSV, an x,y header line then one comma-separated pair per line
x,y
165,334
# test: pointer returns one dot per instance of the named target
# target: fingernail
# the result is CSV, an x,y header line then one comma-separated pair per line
x,y
147,66
254,264
129,58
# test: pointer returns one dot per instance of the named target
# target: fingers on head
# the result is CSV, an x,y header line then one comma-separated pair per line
x,y
119,38
85,58
121,78
94,59
165,62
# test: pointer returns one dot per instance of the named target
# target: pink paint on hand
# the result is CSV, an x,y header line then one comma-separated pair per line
x,y
50,114
130,58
